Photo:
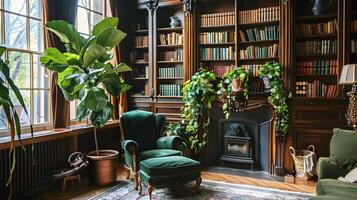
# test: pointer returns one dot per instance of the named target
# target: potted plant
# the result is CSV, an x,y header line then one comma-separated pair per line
x,y
85,74
234,83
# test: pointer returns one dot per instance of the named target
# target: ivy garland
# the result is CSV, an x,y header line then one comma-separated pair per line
x,y
198,96
226,86
278,95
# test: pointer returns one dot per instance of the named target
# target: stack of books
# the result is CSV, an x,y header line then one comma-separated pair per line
x,y
217,37
315,89
253,69
317,67
224,53
170,89
170,72
141,41
320,47
141,72
353,46
171,39
260,34
218,19
354,26
176,55
319,28
219,71
259,15
252,52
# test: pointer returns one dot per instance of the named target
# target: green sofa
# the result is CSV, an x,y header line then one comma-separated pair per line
x,y
141,133
343,158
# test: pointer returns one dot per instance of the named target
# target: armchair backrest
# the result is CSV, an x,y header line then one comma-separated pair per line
x,y
143,127
343,148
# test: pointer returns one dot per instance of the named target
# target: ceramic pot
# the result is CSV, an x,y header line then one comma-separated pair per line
x,y
237,85
174,22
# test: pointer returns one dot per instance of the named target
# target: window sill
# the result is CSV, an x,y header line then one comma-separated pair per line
x,y
47,135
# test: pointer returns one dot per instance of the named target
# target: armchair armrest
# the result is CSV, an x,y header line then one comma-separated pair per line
x,y
130,154
326,169
129,145
170,142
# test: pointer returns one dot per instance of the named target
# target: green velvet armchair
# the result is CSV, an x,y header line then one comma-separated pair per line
x,y
343,158
141,133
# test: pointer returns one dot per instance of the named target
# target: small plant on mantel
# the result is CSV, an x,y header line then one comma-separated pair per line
x,y
85,73
198,96
239,74
278,95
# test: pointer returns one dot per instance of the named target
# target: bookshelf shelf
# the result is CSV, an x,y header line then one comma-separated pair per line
x,y
170,78
141,63
258,42
316,36
141,31
140,96
170,29
317,17
218,27
259,59
170,62
140,78
170,46
141,47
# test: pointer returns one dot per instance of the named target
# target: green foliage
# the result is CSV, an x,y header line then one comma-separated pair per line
x,y
278,95
7,87
198,96
226,86
84,71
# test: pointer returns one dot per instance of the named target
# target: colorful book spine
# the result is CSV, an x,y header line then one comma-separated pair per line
x,y
316,89
222,69
170,89
316,67
252,52
253,69
171,39
317,47
218,19
259,15
259,34
317,28
224,53
170,72
217,37
141,41
176,55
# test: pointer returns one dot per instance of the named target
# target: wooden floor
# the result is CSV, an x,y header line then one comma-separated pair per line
x,y
85,191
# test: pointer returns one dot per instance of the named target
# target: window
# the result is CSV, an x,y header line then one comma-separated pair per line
x,y
21,34
89,12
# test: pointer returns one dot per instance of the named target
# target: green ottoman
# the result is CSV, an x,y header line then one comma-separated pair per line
x,y
169,171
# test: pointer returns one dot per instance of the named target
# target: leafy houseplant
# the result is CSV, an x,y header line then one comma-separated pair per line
x,y
85,73
198,95
226,86
278,95
9,94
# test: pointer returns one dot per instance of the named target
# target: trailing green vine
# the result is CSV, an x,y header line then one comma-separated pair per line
x,y
278,95
198,96
226,86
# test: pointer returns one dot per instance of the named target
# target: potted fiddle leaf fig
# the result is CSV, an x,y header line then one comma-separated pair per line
x,y
85,74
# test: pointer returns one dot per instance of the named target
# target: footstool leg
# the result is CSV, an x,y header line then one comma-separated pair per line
x,y
198,183
150,189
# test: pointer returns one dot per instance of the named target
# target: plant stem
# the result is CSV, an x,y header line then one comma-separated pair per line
x,y
96,141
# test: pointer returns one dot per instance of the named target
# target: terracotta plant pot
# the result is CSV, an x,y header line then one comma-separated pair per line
x,y
103,168
237,85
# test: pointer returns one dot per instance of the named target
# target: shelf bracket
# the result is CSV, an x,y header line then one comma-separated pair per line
x,y
187,6
152,5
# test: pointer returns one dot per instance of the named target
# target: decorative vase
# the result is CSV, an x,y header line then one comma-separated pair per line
x,y
174,22
320,6
266,80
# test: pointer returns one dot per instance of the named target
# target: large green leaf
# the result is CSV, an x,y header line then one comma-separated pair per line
x,y
101,117
105,23
114,84
95,99
67,33
110,37
2,50
93,53
122,67
54,60
71,81
82,111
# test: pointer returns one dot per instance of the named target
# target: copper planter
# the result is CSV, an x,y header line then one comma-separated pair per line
x,y
103,168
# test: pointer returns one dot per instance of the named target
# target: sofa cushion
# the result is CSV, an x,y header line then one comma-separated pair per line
x,y
166,166
155,153
336,188
343,151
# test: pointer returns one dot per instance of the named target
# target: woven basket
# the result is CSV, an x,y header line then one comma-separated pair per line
x,y
298,157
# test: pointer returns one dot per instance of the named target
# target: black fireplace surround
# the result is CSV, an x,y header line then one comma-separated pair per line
x,y
243,139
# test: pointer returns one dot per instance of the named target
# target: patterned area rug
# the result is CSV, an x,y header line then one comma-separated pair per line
x,y
209,191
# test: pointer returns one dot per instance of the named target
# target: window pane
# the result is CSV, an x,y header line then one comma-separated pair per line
x,y
83,20
40,74
97,5
16,6
2,119
41,103
35,8
24,119
20,68
72,109
95,19
15,31
84,3
35,35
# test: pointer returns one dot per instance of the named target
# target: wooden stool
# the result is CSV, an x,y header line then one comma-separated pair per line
x,y
70,178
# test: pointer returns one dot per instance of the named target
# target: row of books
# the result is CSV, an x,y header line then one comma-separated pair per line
x,y
353,46
217,37
317,47
354,26
170,72
218,19
319,28
252,52
259,15
141,72
259,34
171,39
317,67
170,89
253,69
315,89
224,53
219,71
176,55
141,41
